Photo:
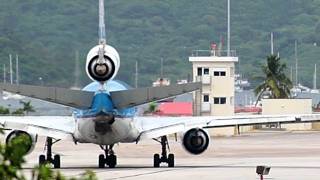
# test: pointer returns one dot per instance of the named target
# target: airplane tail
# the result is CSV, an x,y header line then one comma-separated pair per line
x,y
83,100
135,97
102,26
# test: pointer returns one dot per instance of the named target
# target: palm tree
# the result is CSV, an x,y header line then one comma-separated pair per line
x,y
27,107
275,81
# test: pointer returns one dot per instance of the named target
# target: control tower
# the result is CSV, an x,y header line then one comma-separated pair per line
x,y
216,70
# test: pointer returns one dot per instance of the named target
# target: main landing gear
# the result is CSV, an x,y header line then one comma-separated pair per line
x,y
165,158
55,160
108,158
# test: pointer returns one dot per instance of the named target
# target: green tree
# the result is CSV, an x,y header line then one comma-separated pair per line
x,y
275,80
19,111
12,159
4,111
152,107
27,107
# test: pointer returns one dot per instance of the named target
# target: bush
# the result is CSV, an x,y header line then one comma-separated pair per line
x,y
12,158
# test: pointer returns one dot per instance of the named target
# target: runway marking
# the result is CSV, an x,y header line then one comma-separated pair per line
x,y
177,168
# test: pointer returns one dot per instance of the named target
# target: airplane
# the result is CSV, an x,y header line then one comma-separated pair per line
x,y
104,113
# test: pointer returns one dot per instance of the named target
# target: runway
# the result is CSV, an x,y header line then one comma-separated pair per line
x,y
291,155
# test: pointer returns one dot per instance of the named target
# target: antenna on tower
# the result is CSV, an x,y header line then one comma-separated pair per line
x,y
17,69
11,73
228,43
4,74
296,58
315,77
161,73
136,75
77,70
271,37
291,73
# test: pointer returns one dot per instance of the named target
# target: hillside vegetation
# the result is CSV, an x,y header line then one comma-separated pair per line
x,y
46,34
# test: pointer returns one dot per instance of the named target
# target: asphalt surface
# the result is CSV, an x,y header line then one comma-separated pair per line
x,y
291,155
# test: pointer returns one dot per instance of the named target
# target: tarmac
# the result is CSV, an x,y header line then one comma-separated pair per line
x,y
291,155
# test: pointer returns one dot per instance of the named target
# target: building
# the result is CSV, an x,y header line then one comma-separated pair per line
x,y
161,82
217,74
174,109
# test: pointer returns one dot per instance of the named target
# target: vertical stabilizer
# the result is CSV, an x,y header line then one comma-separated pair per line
x,y
102,26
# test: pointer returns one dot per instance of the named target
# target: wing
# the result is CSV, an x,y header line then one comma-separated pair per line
x,y
58,127
153,127
67,97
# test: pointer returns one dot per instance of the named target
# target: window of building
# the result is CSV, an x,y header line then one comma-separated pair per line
x,y
219,73
199,71
223,100
220,100
231,72
206,71
206,98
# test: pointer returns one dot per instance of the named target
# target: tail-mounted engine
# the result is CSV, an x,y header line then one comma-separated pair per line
x,y
29,140
195,141
103,63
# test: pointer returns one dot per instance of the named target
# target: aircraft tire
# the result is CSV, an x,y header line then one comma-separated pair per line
x,y
171,160
102,161
156,160
42,159
112,161
56,161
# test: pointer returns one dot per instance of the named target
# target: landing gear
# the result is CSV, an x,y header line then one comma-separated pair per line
x,y
48,158
108,158
165,158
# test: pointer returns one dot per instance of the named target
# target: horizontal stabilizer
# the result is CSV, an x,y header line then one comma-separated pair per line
x,y
134,97
67,97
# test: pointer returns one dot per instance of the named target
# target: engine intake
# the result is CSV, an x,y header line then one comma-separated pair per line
x,y
103,69
29,140
196,141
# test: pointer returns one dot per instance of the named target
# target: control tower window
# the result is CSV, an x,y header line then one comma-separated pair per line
x,y
206,71
219,73
199,71
220,100
206,98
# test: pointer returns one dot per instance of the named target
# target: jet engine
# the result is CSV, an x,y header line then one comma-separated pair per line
x,y
29,141
102,63
195,141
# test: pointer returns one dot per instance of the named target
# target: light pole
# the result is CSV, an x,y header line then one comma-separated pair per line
x,y
41,81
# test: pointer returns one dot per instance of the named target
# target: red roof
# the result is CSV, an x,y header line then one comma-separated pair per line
x,y
175,109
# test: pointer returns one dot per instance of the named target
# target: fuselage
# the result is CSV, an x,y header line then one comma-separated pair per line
x,y
103,124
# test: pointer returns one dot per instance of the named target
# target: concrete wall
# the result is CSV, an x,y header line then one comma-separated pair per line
x,y
288,106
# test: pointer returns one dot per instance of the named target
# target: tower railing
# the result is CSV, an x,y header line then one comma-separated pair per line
x,y
218,53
